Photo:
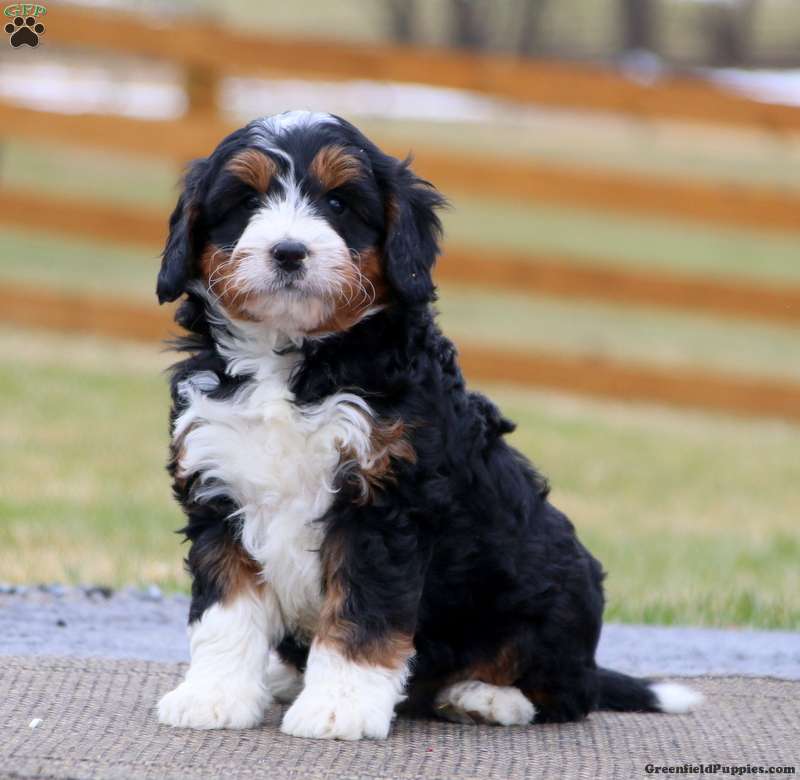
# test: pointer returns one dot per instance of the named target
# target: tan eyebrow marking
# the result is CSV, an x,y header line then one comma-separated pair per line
x,y
334,166
254,168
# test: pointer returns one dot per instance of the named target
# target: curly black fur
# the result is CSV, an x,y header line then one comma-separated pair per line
x,y
462,549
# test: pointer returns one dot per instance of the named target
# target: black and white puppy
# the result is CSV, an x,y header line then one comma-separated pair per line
x,y
361,533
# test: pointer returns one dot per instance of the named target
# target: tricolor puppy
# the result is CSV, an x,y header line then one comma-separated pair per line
x,y
361,533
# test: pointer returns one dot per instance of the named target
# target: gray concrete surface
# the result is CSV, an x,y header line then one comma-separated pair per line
x,y
146,625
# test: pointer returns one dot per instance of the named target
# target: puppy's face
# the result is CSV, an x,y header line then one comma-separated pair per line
x,y
299,222
293,230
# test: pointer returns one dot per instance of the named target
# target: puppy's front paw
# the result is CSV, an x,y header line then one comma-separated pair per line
x,y
217,705
325,714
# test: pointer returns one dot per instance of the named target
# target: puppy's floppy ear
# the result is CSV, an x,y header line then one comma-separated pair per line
x,y
412,235
178,258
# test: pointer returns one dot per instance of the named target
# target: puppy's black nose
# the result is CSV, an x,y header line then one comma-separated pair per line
x,y
289,255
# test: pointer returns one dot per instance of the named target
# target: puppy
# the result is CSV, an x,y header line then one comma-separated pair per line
x,y
360,532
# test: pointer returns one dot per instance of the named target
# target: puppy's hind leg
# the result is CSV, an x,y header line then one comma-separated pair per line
x,y
487,691
284,679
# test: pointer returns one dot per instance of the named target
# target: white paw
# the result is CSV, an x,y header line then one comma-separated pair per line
x,y
220,705
323,713
676,698
471,701
283,680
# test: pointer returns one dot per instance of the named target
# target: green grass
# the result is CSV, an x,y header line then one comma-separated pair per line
x,y
694,516
691,525
83,493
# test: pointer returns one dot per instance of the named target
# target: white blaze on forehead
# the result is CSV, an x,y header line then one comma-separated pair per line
x,y
290,120
266,131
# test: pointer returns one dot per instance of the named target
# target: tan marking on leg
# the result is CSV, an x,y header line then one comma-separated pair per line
x,y
503,669
230,568
390,650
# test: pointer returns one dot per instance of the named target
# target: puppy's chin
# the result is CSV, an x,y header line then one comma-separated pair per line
x,y
290,311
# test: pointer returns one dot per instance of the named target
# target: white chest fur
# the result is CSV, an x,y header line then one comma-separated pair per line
x,y
276,461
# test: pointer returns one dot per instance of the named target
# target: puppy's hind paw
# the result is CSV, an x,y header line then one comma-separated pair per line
x,y
283,680
472,701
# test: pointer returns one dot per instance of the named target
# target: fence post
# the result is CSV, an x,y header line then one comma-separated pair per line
x,y
202,89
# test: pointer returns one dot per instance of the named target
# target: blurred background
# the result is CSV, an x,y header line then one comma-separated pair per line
x,y
621,269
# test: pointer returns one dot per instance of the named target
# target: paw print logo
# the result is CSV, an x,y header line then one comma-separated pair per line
x,y
24,32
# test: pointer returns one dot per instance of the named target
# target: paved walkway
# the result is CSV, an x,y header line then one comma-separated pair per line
x,y
95,720
146,625
81,673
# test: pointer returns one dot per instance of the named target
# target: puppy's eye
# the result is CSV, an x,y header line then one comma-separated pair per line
x,y
336,205
253,202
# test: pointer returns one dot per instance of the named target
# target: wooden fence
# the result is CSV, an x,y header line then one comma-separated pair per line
x,y
700,202
599,377
207,54
537,274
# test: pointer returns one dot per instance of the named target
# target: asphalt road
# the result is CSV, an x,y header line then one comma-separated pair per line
x,y
147,625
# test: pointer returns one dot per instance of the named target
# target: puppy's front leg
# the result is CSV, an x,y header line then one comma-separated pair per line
x,y
232,622
358,663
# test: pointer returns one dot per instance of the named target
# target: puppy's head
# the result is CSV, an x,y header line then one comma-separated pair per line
x,y
298,221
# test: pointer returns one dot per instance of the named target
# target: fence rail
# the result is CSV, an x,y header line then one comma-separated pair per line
x,y
535,182
507,271
581,375
204,48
